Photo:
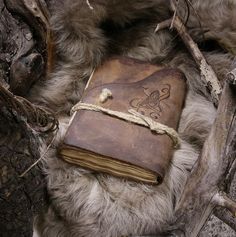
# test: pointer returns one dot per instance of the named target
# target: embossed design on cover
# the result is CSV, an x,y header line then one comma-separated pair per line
x,y
151,105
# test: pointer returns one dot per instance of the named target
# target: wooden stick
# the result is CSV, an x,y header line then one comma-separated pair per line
x,y
164,24
208,75
209,173
223,214
226,216
221,199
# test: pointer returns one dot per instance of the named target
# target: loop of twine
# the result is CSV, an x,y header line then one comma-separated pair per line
x,y
134,117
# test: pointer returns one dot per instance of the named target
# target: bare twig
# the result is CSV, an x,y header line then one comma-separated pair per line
x,y
163,25
89,5
174,9
40,158
208,75
221,199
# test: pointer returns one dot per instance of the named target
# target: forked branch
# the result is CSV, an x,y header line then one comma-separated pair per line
x,y
201,193
222,200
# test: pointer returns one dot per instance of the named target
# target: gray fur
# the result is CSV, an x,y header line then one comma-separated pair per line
x,y
212,20
84,203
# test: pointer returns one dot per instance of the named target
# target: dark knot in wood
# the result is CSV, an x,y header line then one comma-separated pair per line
x,y
24,72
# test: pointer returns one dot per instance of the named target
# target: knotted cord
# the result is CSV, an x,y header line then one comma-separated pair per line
x,y
134,117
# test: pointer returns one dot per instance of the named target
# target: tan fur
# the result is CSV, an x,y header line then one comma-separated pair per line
x,y
84,203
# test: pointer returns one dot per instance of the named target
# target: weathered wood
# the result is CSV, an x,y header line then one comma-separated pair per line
x,y
34,13
221,199
24,36
227,217
208,175
22,62
221,213
210,80
208,76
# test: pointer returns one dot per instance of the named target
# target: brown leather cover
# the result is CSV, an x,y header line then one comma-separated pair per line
x,y
155,91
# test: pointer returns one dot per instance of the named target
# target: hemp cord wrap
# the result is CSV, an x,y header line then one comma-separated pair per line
x,y
134,117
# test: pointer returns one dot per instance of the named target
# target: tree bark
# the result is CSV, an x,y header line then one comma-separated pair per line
x,y
208,178
23,57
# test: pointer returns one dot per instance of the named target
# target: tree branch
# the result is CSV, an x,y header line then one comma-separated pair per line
x,y
225,216
222,200
208,75
209,173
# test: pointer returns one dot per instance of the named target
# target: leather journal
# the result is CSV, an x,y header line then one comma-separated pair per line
x,y
105,143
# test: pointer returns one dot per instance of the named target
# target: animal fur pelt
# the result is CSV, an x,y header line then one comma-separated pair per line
x,y
84,203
